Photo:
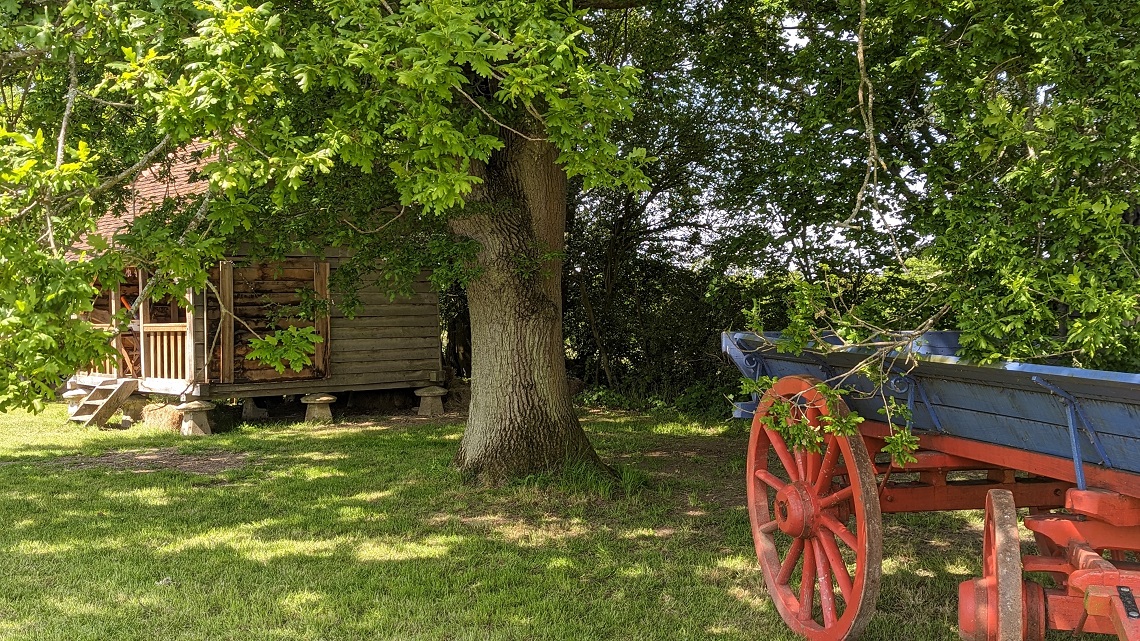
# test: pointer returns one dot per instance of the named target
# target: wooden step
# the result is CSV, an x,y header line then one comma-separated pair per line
x,y
103,401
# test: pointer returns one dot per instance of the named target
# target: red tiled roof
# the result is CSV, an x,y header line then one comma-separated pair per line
x,y
155,184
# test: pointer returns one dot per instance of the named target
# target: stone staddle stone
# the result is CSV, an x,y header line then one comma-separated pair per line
x,y
318,408
431,400
195,417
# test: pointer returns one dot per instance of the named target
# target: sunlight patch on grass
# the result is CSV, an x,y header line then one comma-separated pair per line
x,y
560,562
756,600
322,456
736,563
433,547
153,496
72,606
245,542
41,548
301,600
959,568
372,497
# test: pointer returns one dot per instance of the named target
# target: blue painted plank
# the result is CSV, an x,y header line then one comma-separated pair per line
x,y
1000,405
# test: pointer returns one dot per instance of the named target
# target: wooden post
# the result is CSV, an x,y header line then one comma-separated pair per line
x,y
226,321
144,318
322,324
188,341
118,341
206,355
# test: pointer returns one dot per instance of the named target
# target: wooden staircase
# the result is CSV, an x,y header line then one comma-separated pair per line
x,y
104,400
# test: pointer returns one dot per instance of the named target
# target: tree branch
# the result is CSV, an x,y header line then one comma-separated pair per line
x,y
496,120
130,172
21,54
611,4
72,91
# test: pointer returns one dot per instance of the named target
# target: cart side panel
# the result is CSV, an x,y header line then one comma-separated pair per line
x,y
1002,405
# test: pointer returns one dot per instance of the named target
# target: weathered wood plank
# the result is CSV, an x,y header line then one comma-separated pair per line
x,y
404,320
298,272
341,334
368,300
270,374
335,383
321,288
379,356
263,298
394,310
273,286
226,322
387,366
419,286
353,346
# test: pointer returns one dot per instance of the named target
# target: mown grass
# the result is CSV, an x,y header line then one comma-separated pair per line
x,y
363,530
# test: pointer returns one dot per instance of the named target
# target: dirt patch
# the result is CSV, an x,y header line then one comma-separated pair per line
x,y
152,460
716,463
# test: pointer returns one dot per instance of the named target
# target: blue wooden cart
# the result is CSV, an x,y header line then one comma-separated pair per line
x,y
1063,442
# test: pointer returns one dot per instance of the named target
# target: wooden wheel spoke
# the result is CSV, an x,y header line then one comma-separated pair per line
x,y
827,467
784,455
836,497
838,567
770,479
789,564
807,584
769,527
814,461
823,573
840,530
801,464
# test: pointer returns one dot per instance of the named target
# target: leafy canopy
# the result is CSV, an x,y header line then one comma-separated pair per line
x,y
299,108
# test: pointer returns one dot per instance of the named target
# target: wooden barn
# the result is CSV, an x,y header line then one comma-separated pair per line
x,y
196,349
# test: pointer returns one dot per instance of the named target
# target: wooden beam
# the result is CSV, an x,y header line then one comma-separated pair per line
x,y
321,359
188,340
144,318
120,363
226,322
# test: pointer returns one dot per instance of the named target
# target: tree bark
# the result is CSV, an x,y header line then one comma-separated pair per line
x,y
521,418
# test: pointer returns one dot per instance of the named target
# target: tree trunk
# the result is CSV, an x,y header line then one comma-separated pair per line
x,y
521,418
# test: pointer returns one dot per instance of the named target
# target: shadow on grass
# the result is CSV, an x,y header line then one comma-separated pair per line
x,y
365,532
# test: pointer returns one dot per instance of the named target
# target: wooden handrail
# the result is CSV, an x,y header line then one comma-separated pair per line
x,y
165,327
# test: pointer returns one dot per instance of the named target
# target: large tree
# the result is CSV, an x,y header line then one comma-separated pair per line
x,y
331,122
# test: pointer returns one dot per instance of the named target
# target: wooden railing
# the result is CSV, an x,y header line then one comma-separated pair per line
x,y
164,351
109,366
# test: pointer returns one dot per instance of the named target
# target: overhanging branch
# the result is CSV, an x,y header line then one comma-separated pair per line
x,y
611,4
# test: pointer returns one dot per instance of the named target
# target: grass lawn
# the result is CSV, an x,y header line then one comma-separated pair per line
x,y
363,531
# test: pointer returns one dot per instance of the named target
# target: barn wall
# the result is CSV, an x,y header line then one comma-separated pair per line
x,y
387,343
387,339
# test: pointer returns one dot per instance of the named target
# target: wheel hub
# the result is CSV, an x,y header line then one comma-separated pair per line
x,y
978,610
796,510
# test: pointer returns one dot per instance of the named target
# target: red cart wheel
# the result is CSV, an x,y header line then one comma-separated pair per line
x,y
1001,606
798,503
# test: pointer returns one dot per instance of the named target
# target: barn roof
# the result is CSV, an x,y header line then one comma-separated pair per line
x,y
177,176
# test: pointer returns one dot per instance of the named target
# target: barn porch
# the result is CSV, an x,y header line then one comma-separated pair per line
x,y
156,349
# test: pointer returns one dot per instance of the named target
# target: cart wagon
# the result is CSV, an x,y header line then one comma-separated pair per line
x,y
1063,442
